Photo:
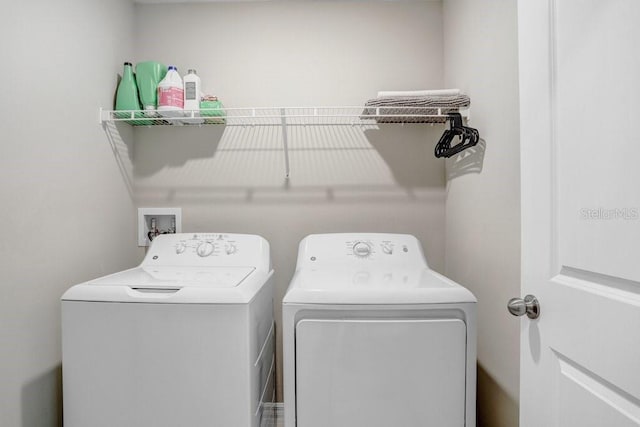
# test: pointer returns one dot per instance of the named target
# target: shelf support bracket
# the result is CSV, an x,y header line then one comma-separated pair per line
x,y
285,143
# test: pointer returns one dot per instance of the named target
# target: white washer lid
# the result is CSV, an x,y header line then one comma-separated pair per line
x,y
176,277
374,286
182,285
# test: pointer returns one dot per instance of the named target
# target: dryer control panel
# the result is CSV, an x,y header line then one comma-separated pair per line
x,y
357,248
208,249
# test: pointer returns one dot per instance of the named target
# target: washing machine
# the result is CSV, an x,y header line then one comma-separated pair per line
x,y
185,339
374,338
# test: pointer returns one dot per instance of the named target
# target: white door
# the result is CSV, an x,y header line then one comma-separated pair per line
x,y
580,116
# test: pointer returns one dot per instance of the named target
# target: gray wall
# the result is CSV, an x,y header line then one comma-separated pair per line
x,y
297,54
483,209
66,213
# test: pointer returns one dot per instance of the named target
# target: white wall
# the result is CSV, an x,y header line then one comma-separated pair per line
x,y
66,214
483,209
287,54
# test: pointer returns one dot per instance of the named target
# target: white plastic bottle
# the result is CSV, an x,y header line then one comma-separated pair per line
x,y
192,95
192,91
171,94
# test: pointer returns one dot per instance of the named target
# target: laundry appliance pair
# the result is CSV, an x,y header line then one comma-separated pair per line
x,y
372,337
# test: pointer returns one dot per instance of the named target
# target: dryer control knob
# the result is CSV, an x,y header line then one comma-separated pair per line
x,y
387,248
205,249
180,248
361,249
231,249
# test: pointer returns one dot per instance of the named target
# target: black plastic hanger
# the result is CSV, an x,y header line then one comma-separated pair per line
x,y
468,137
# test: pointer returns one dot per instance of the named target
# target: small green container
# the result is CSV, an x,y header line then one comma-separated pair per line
x,y
213,112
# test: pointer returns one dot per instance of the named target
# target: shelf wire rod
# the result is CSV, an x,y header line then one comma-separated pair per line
x,y
285,144
110,129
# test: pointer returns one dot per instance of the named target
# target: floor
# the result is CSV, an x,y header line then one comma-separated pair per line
x,y
273,415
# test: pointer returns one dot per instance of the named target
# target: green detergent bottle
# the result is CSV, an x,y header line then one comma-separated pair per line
x,y
148,75
127,94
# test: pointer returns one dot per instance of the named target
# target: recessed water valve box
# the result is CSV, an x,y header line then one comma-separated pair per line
x,y
155,221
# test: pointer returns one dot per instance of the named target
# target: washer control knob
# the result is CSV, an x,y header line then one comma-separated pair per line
x,y
180,248
204,249
387,248
361,249
230,249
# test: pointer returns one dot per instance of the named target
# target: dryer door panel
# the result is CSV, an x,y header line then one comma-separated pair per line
x,y
380,373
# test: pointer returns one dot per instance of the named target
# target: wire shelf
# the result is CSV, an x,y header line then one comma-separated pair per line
x,y
289,116
284,117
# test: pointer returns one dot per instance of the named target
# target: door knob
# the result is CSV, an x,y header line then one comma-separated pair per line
x,y
529,306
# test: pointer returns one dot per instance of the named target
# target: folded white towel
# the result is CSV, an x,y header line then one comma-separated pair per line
x,y
434,92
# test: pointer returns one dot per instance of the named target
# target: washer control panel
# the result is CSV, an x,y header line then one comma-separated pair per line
x,y
375,248
208,249
206,245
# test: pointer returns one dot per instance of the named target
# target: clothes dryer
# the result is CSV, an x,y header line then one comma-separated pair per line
x,y
374,338
185,339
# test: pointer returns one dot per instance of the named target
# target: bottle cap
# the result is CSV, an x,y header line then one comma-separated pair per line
x,y
191,71
173,67
127,63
